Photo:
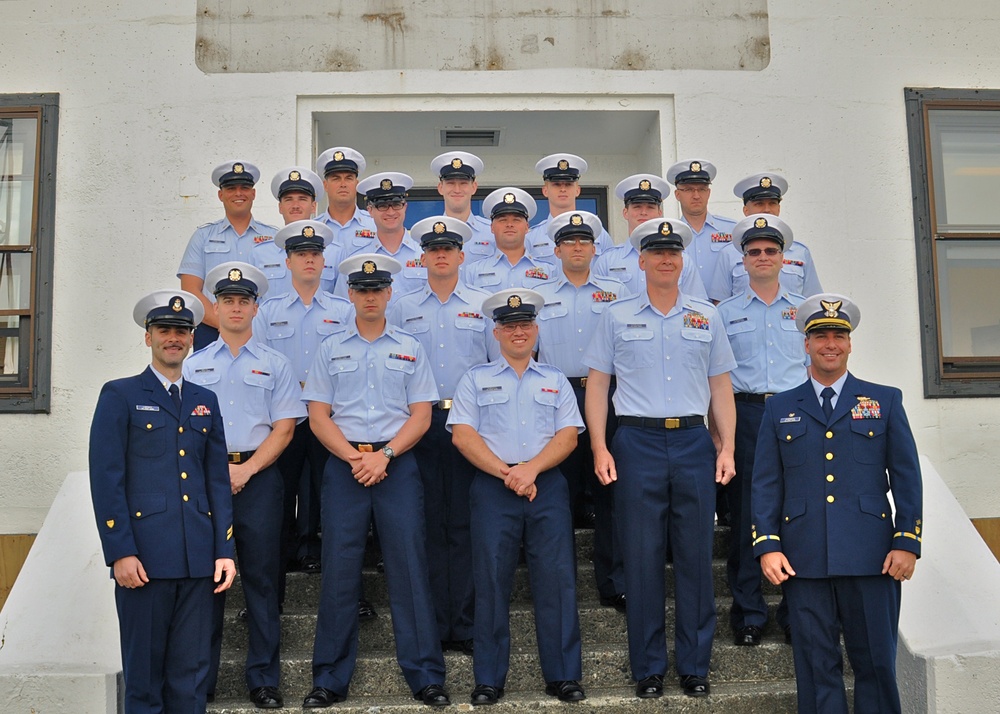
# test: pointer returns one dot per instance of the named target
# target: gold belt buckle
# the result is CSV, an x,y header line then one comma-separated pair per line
x,y
365,448
444,404
235,457
583,382
672,423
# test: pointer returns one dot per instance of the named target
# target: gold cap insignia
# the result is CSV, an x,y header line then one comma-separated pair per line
x,y
368,267
338,155
177,305
765,182
386,184
110,524
236,275
237,168
760,223
665,229
576,220
832,308
514,301
439,227
562,165
644,185
294,176
508,198
456,163
308,232
696,166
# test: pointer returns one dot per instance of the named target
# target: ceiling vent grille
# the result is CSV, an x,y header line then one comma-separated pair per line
x,y
470,137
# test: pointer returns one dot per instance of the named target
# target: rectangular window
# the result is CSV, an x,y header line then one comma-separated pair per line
x,y
28,134
954,137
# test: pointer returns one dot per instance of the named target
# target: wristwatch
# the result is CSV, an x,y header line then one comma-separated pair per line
x,y
389,453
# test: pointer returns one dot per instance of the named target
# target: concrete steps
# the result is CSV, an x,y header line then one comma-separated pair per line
x,y
743,679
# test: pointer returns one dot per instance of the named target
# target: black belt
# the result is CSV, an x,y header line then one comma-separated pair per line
x,y
684,422
752,398
368,447
238,457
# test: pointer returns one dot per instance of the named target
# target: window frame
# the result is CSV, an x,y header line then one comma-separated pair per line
x,y
980,378
35,396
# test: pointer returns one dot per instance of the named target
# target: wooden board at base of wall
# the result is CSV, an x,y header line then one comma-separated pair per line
x,y
13,552
989,529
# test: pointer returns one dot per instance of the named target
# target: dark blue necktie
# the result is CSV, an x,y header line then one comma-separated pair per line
x,y
827,395
175,395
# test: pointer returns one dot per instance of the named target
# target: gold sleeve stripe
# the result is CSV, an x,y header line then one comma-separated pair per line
x,y
229,533
901,534
766,537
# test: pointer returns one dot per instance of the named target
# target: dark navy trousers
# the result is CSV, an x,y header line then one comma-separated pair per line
x,y
501,522
347,507
666,489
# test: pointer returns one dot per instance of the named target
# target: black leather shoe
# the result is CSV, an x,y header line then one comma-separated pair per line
x,y
365,611
320,697
788,634
266,698
567,691
694,686
433,695
463,646
485,694
650,687
747,636
615,601
310,564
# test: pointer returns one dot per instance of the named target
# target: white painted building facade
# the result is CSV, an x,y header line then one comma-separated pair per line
x,y
151,100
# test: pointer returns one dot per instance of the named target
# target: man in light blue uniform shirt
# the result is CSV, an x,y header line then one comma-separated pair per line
x,y
516,420
295,189
510,210
573,306
340,168
447,318
561,187
233,237
692,180
762,193
385,194
642,195
457,173
260,402
770,358
370,392
672,360
294,324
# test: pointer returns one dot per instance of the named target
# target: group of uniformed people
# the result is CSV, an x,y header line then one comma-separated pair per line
x,y
364,375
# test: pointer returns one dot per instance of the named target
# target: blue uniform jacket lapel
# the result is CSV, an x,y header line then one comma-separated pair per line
x,y
157,394
847,400
808,402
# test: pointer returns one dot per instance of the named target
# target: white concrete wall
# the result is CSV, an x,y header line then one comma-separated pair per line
x,y
141,128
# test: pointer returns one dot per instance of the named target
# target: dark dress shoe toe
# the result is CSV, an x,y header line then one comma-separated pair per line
x,y
365,611
567,691
747,636
310,564
485,694
788,634
433,695
320,697
615,601
650,687
694,686
266,698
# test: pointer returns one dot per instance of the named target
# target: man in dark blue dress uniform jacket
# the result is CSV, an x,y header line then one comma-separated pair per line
x,y
160,487
828,454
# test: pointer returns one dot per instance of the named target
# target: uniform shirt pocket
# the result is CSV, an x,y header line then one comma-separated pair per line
x,y
279,330
792,509
397,373
258,387
791,445
201,424
148,436
493,408
546,404
876,505
487,279
868,440
743,339
144,505
217,246
637,348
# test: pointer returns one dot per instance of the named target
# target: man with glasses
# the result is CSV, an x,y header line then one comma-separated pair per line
x,y
510,210
385,194
770,358
672,361
448,320
370,391
457,172
762,193
692,180
353,228
574,302
516,420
